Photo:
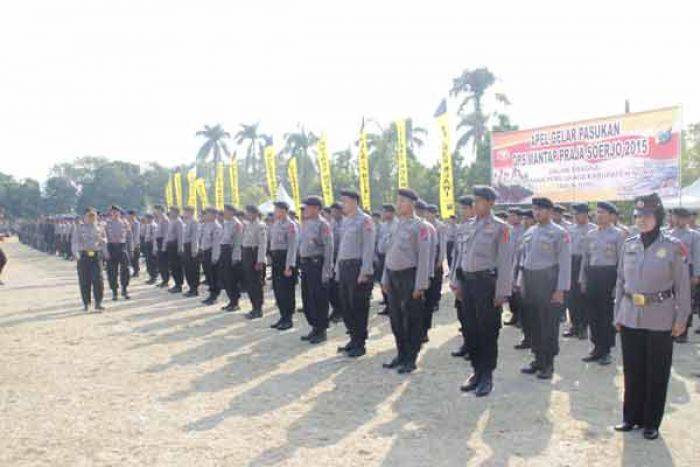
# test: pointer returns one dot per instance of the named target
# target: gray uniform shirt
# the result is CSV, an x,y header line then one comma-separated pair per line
x,y
316,240
136,230
283,237
441,229
255,235
546,246
409,247
89,237
190,234
384,235
691,240
357,241
175,229
210,239
601,247
660,267
578,232
236,240
117,230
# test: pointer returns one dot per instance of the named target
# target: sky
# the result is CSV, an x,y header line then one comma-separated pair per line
x,y
135,79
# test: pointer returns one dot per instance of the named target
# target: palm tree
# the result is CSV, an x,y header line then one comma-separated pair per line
x,y
215,145
298,144
255,142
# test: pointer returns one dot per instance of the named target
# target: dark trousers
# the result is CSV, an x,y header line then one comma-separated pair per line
x,y
229,274
190,264
575,300
175,263
460,313
162,261
151,260
406,313
354,299
314,292
600,305
432,298
378,271
254,279
538,288
90,277
283,286
117,266
515,304
483,319
3,260
449,251
211,274
135,260
646,358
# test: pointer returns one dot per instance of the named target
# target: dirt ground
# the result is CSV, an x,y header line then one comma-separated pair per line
x,y
164,380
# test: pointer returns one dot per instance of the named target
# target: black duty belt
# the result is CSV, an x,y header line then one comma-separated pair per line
x,y
644,299
479,274
310,259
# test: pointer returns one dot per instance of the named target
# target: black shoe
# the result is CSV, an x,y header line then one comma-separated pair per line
x,y
592,357
346,347
232,308
226,307
125,294
357,351
605,359
151,281
308,336
114,296
163,285
99,307
319,337
406,367
175,289
209,301
569,333
470,384
425,339
510,322
384,312
522,345
485,386
651,433
192,293
531,369
461,352
625,427
136,274
545,373
392,364
284,325
582,335
276,324
85,307
254,314
335,317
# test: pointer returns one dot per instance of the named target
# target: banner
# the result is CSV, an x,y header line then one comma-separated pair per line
x,y
169,192
192,189
233,181
219,186
177,181
363,168
447,188
401,162
293,175
610,158
324,168
202,192
271,170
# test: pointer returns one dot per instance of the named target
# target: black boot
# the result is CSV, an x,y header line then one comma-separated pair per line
x,y
471,383
485,385
319,337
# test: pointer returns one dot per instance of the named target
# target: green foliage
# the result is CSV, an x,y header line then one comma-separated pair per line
x,y
690,154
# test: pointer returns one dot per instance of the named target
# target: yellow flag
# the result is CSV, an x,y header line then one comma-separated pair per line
x,y
177,181
233,180
447,189
271,170
169,192
202,192
192,189
363,166
324,167
293,175
401,161
219,186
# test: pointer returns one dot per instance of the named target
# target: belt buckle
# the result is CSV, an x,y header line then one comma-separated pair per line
x,y
639,299
90,253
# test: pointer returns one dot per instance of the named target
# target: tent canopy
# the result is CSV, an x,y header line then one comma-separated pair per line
x,y
282,195
688,198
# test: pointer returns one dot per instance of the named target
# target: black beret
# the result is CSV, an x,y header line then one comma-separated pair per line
x,y
515,210
422,205
189,208
559,208
281,205
501,214
114,207
158,207
408,193
580,208
229,207
131,212
607,206
433,208
486,192
527,213
210,210
647,204
466,200
89,210
350,194
313,201
327,210
389,207
545,203
376,214
252,209
336,206
149,216
174,209
682,212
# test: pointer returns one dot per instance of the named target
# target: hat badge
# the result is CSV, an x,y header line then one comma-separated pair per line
x,y
640,204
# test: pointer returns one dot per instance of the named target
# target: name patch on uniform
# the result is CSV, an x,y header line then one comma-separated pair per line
x,y
661,253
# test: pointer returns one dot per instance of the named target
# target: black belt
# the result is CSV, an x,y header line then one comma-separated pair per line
x,y
643,299
310,259
479,274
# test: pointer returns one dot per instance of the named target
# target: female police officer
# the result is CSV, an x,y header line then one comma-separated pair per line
x,y
652,305
89,246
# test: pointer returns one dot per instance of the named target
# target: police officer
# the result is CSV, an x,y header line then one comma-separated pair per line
x,y
136,241
466,208
384,231
691,240
575,300
253,255
283,252
516,232
190,255
546,277
118,235
354,271
161,245
89,246
525,311
336,214
405,279
598,275
175,248
316,264
434,291
210,246
229,273
485,282
652,304
149,228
